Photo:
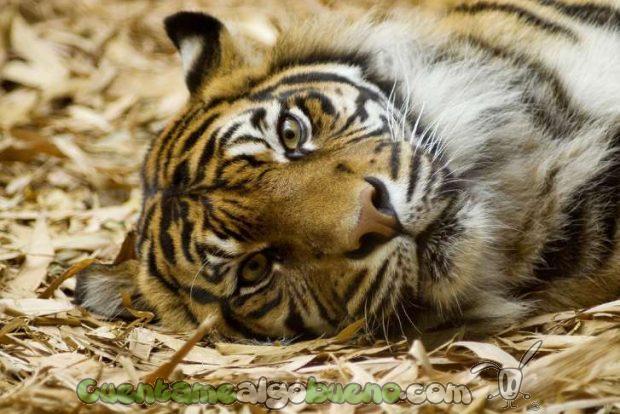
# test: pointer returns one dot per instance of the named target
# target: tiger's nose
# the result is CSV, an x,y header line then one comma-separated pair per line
x,y
377,221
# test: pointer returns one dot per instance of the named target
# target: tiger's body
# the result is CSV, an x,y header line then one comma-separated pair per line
x,y
486,133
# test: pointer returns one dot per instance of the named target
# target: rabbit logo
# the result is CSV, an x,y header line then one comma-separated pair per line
x,y
509,380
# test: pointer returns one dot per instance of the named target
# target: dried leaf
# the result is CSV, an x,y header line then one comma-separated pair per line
x,y
42,67
35,307
39,254
165,370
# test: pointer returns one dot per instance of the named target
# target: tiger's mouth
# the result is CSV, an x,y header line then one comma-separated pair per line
x,y
422,255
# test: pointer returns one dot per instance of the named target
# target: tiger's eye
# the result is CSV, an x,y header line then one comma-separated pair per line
x,y
291,132
255,268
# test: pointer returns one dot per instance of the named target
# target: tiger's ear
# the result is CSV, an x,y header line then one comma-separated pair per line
x,y
205,46
101,287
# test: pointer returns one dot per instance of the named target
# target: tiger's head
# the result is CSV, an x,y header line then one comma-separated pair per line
x,y
293,195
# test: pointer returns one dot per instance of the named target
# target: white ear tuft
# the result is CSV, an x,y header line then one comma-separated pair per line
x,y
190,50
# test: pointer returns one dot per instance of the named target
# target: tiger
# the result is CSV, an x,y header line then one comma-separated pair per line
x,y
448,164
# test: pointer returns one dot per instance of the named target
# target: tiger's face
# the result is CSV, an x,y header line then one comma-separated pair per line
x,y
289,199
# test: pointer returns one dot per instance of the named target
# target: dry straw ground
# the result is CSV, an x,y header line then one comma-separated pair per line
x,y
85,85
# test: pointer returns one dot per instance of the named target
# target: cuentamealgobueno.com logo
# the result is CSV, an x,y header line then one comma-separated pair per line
x,y
272,394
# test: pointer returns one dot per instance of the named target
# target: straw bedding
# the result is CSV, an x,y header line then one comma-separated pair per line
x,y
84,85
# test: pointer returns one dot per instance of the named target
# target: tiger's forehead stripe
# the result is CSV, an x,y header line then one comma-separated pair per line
x,y
283,76
195,134
182,148
168,140
313,77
